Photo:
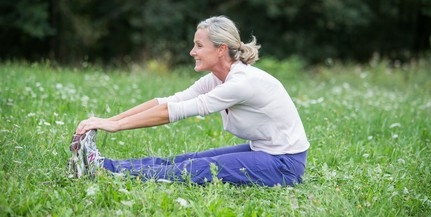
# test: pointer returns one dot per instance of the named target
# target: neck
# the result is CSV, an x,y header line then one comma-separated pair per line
x,y
222,70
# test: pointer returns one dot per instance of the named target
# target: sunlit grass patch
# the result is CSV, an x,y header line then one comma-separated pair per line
x,y
369,128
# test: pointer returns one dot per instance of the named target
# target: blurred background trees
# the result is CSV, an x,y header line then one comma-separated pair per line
x,y
120,32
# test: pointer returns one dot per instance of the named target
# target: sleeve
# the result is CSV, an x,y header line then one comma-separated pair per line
x,y
201,86
221,97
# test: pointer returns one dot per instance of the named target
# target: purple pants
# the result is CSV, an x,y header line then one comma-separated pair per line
x,y
234,164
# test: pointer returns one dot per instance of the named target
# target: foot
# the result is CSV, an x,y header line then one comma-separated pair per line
x,y
86,157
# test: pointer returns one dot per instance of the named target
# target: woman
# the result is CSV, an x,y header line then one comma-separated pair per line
x,y
253,105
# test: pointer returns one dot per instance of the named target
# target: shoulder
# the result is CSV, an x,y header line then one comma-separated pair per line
x,y
208,81
247,74
239,83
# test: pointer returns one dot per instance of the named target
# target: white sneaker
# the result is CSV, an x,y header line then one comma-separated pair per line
x,y
86,157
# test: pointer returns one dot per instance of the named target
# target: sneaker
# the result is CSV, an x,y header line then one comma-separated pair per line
x,y
76,164
86,157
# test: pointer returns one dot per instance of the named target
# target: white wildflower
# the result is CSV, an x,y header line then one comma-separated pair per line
x,y
346,85
406,191
316,101
182,202
128,203
9,102
367,204
294,202
92,190
200,117
119,212
31,114
395,125
337,90
365,155
122,190
426,105
59,122
378,170
84,100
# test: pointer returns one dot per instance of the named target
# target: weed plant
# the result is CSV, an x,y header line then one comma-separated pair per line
x,y
369,127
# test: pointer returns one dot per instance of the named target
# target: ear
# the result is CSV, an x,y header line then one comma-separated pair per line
x,y
223,49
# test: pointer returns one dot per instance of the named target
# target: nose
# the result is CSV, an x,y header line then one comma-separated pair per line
x,y
192,52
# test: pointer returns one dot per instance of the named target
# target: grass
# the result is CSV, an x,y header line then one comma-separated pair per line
x,y
369,127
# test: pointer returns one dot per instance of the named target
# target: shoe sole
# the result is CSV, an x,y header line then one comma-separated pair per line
x,y
75,169
79,155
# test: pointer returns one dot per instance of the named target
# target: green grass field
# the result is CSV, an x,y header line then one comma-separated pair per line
x,y
369,128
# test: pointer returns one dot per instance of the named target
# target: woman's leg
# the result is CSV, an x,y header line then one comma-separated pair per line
x,y
118,166
213,152
238,168
257,167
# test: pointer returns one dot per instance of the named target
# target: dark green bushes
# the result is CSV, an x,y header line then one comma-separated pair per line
x,y
118,32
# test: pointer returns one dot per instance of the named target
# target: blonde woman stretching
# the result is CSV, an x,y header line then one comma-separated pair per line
x,y
253,106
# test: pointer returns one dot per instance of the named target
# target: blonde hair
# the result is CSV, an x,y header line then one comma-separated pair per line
x,y
222,30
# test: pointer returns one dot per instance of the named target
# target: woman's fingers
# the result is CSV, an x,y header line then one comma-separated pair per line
x,y
85,126
96,123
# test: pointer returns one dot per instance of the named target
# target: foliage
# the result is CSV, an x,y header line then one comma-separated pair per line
x,y
119,32
369,128
24,24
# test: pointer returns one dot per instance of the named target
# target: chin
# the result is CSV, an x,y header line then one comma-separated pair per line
x,y
198,69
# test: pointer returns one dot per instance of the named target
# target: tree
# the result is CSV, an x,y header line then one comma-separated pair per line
x,y
24,28
116,31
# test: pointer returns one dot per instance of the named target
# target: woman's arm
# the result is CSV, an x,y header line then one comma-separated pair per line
x,y
137,109
154,116
147,114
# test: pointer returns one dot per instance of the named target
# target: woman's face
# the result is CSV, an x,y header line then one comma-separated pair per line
x,y
205,53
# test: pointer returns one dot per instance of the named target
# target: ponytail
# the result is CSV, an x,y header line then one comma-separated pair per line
x,y
248,53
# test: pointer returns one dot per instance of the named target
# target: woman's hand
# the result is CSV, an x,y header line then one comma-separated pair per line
x,y
97,123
